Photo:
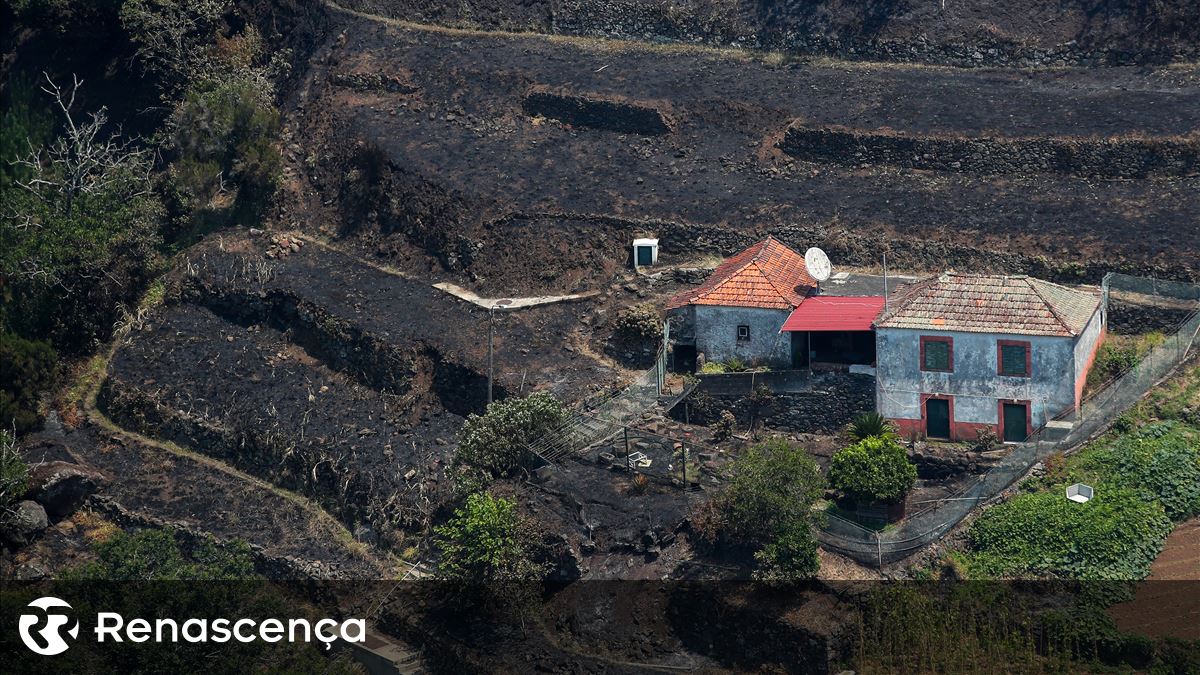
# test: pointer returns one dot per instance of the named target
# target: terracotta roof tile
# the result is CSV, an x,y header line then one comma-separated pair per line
x,y
1017,305
767,275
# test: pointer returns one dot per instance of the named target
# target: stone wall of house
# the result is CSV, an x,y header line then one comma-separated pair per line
x,y
833,402
1093,157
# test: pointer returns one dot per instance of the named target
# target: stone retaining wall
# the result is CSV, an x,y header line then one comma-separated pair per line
x,y
1090,157
598,112
831,405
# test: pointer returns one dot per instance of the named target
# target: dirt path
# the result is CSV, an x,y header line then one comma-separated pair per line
x,y
1167,604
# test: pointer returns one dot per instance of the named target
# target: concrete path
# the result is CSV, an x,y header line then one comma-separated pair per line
x,y
509,303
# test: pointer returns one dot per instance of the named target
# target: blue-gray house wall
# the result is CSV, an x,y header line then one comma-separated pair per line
x,y
974,386
714,331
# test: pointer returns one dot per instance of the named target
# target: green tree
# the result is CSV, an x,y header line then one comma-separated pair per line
x,y
78,232
488,553
174,38
876,469
497,441
767,507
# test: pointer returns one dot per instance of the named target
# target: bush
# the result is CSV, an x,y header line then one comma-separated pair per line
x,y
27,368
488,553
792,556
638,325
226,130
156,555
867,424
14,473
767,508
1160,462
1115,535
723,428
876,469
497,441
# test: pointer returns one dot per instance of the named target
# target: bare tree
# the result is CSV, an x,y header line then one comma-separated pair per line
x,y
84,160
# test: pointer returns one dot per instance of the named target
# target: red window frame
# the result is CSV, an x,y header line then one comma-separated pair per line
x,y
925,339
1001,344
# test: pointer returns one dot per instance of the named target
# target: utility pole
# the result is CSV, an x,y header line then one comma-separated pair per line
x,y
492,339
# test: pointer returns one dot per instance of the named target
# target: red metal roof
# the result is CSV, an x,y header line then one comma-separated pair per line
x,y
834,313
767,275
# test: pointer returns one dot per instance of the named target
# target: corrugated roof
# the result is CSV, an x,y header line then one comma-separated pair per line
x,y
978,303
834,313
767,275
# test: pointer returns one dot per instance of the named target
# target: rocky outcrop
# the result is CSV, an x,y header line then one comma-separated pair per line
x,y
62,487
599,112
26,520
1089,157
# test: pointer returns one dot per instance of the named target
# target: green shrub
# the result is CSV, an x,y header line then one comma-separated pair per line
x,y
1115,535
639,325
867,424
488,554
767,503
791,556
876,469
497,441
14,472
27,368
712,368
156,555
1159,462
226,130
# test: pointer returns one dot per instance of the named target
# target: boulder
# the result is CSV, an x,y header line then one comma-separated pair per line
x,y
61,487
26,521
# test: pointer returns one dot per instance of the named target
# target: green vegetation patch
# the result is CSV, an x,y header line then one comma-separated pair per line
x,y
1115,535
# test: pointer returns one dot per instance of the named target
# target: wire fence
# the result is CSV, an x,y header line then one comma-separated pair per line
x,y
606,417
1095,414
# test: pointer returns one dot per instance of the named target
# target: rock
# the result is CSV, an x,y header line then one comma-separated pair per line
x,y
26,521
61,487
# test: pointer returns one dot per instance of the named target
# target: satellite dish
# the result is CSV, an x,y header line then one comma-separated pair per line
x,y
817,263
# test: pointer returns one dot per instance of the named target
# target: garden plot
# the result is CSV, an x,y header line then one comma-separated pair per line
x,y
248,396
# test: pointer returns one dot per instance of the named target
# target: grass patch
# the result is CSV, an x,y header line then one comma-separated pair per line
x,y
1118,355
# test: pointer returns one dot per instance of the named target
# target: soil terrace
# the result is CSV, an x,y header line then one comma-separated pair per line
x,y
502,188
251,398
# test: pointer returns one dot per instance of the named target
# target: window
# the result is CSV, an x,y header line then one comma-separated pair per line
x,y
1014,358
743,334
937,354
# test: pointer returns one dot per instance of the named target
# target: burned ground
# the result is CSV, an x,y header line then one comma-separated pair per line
x,y
469,185
971,32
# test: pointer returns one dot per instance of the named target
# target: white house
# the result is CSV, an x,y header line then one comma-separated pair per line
x,y
958,353
739,310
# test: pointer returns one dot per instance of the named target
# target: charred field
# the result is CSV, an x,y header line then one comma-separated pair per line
x,y
478,180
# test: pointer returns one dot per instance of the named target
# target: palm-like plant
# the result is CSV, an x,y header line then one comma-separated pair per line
x,y
868,424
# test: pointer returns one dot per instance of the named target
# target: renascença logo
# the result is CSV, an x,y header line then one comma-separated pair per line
x,y
48,640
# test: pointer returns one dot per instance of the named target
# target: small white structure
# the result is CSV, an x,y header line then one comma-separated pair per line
x,y
645,252
1080,493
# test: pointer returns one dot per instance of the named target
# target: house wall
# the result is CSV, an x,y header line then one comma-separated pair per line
x,y
1086,345
974,387
715,329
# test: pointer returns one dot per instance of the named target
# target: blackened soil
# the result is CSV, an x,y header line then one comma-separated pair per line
x,y
247,396
470,158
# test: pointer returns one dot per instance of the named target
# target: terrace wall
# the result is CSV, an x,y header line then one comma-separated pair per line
x,y
1090,157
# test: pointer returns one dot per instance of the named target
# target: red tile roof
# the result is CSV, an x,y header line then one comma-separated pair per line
x,y
834,313
767,275
1017,305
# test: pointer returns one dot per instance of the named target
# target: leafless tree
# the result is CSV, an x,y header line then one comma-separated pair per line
x,y
84,160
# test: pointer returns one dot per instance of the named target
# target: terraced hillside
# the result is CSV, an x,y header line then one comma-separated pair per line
x,y
467,155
